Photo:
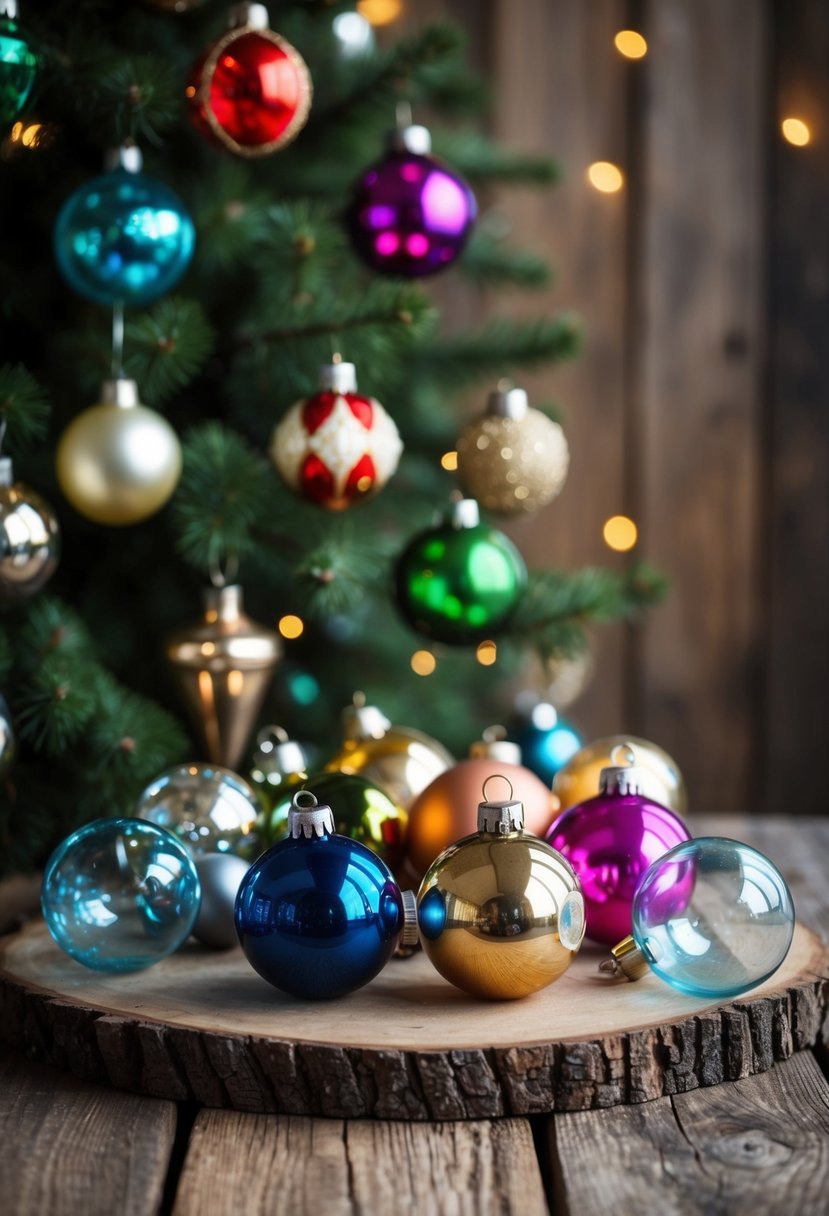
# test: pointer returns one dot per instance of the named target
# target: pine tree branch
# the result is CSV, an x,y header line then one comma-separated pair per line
x,y
24,410
481,160
500,347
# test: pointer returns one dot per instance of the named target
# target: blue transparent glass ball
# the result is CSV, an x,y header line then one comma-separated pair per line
x,y
120,894
319,917
713,917
123,238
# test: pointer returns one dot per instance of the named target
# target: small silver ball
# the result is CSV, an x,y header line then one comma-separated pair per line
x,y
220,875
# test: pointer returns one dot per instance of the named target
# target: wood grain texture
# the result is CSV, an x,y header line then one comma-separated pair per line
x,y
408,1046
74,1149
798,463
266,1166
700,331
758,1145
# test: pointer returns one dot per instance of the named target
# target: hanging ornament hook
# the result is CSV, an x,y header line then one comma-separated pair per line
x,y
497,777
118,340
622,754
222,574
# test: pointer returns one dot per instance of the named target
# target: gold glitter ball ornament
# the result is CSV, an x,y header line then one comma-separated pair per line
x,y
500,913
513,459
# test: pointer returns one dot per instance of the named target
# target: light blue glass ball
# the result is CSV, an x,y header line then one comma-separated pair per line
x,y
120,894
123,238
713,917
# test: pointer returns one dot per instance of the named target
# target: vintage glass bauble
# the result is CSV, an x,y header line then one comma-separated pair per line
x,y
118,462
410,214
610,841
220,876
337,447
19,65
500,913
123,238
401,760
461,581
447,809
120,894
209,808
279,765
250,92
547,741
513,459
29,538
318,914
660,778
362,811
712,918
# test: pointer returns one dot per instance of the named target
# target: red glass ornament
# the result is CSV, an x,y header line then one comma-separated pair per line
x,y
250,92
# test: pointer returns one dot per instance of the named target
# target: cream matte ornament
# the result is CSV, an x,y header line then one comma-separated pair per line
x,y
29,538
513,459
220,875
118,462
336,447
224,665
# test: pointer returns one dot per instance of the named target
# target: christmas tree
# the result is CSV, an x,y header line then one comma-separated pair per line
x,y
275,289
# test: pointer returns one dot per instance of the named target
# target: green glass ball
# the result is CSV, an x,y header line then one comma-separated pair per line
x,y
19,66
460,585
361,810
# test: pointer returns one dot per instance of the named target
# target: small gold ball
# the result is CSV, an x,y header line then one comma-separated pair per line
x,y
513,465
501,916
118,465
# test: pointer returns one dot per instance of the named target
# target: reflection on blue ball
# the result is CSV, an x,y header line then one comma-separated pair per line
x,y
547,742
319,917
120,894
123,237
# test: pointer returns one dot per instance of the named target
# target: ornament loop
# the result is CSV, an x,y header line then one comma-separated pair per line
x,y
497,777
221,574
622,754
304,800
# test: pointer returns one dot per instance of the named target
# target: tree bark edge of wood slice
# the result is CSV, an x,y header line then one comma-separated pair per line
x,y
444,1056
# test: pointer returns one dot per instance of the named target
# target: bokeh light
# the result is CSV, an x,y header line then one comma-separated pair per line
x,y
486,654
449,461
423,662
380,12
796,131
606,177
291,626
620,533
630,44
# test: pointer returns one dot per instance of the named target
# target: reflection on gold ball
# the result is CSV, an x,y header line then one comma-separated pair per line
x,y
448,808
661,779
403,762
513,465
118,465
500,916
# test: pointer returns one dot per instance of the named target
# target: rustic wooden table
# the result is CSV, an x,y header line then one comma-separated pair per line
x,y
758,1145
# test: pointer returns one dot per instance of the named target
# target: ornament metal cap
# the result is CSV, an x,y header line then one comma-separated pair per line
x,y
125,156
6,471
410,138
120,392
361,721
338,378
409,935
277,753
626,959
248,16
500,818
494,745
464,513
309,818
508,403
618,778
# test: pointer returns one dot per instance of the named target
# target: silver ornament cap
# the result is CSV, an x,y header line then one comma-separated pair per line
x,y
500,818
338,378
361,721
410,935
308,818
622,779
494,745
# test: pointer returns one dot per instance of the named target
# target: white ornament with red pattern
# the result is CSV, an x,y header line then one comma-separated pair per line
x,y
336,447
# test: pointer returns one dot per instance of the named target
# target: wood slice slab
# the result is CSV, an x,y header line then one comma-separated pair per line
x,y
203,1026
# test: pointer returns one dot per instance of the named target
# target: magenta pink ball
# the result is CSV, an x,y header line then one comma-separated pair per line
x,y
610,841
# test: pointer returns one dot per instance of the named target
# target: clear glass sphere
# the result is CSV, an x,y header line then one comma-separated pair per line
x,y
209,808
120,894
713,917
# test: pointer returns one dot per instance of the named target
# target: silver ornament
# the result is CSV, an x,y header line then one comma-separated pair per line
x,y
220,875
29,537
209,808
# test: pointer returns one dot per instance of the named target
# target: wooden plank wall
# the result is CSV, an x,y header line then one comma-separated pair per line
x,y
699,404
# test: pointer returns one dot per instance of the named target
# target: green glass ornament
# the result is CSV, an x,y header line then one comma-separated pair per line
x,y
460,582
362,811
19,65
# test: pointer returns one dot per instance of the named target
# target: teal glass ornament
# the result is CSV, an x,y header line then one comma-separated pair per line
x,y
120,894
712,917
460,582
547,741
123,238
19,65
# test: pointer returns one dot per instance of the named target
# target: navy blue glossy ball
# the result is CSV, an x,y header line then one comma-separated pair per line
x,y
318,918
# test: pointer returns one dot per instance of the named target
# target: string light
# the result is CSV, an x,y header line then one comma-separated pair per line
x,y
796,131
291,626
620,533
423,662
604,176
486,654
630,44
380,12
449,461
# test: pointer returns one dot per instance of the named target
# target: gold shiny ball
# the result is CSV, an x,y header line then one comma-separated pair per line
x,y
661,779
500,916
513,465
118,465
403,762
447,809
